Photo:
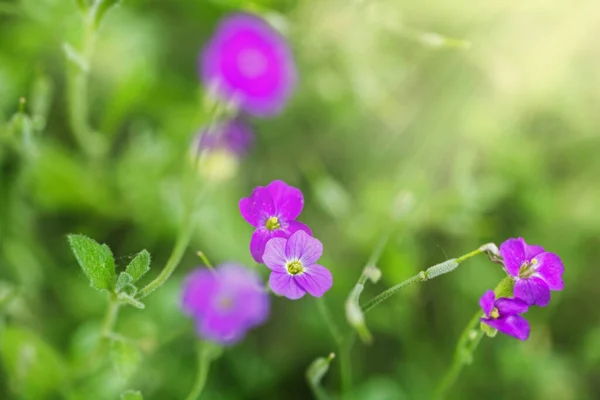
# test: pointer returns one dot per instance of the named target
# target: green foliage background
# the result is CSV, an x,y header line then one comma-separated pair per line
x,y
483,142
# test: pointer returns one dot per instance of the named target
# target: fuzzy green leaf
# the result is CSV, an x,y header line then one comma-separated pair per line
x,y
124,297
123,281
139,265
96,261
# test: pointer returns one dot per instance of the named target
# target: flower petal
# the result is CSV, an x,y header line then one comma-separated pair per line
x,y
513,254
198,290
513,325
550,269
257,208
259,240
534,291
316,280
221,328
532,250
487,302
295,226
301,246
288,200
284,284
507,306
274,255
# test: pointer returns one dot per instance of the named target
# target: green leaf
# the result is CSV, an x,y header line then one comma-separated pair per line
x,y
132,395
505,288
96,261
128,299
123,281
139,265
125,357
34,369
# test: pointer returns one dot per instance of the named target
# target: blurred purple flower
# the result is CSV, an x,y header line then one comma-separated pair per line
x,y
234,135
248,62
272,210
225,303
536,271
503,315
293,264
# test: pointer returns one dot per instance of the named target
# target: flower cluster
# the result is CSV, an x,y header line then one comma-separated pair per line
x,y
534,272
226,302
248,66
284,245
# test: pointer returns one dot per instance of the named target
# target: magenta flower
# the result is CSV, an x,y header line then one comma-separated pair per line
x,y
293,264
225,303
234,136
536,272
504,315
249,63
272,210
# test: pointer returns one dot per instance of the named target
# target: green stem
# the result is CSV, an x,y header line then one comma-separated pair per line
x,y
333,329
463,355
345,364
181,243
77,100
420,277
110,319
185,235
204,359
342,344
469,255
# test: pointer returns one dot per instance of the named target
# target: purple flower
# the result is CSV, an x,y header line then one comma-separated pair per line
x,y
272,210
293,264
225,303
250,63
536,271
503,315
234,136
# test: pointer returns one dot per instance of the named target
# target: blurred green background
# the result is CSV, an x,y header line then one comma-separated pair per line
x,y
476,121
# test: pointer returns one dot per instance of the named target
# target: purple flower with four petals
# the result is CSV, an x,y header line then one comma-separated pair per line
x,y
504,315
536,271
293,264
248,62
272,210
226,302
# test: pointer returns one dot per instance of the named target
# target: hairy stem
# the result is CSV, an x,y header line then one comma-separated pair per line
x,y
183,239
430,273
110,318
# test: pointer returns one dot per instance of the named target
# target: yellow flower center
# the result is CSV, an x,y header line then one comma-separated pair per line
x,y
494,314
527,269
272,224
295,267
